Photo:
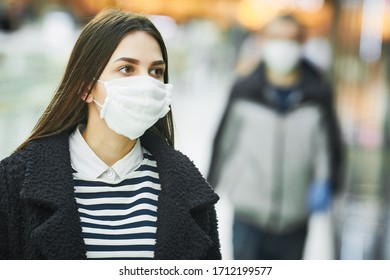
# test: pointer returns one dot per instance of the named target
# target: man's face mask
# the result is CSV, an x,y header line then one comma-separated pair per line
x,y
281,56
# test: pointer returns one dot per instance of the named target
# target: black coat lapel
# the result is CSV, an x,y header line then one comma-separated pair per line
x,y
48,195
183,192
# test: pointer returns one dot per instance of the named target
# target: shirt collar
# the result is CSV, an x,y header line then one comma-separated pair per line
x,y
89,165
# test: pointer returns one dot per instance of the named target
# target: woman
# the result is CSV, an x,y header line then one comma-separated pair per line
x,y
99,177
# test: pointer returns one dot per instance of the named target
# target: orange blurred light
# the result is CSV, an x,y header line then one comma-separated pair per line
x,y
254,14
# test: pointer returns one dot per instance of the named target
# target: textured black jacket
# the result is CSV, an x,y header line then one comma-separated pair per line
x,y
39,218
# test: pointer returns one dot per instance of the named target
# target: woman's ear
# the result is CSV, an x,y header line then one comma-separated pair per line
x,y
87,96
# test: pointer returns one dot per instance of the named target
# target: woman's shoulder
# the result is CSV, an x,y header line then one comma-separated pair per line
x,y
178,173
12,170
46,147
14,161
167,157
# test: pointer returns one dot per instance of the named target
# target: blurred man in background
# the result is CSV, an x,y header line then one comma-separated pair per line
x,y
277,151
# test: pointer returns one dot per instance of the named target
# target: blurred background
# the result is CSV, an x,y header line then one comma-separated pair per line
x,y
211,43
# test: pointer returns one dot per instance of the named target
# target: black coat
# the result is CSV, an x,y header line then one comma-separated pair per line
x,y
39,218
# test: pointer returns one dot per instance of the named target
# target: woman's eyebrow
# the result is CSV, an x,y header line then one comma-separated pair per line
x,y
136,61
158,62
128,59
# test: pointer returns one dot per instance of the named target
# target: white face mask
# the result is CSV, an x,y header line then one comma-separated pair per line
x,y
134,104
282,56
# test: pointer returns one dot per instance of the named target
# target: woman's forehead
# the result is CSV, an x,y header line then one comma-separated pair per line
x,y
138,45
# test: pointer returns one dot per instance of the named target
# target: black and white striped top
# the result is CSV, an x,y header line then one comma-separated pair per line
x,y
118,214
119,220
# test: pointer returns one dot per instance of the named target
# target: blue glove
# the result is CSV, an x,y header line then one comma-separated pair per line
x,y
318,197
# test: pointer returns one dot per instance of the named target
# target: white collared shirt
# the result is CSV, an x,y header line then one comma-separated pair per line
x,y
89,166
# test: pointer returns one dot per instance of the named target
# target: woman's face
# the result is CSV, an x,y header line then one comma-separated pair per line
x,y
138,54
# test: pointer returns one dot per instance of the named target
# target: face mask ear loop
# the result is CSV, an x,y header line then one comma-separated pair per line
x,y
94,100
97,103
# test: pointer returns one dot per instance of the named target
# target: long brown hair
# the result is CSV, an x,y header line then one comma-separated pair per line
x,y
91,53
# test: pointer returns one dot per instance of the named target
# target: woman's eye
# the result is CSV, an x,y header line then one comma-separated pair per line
x,y
158,72
126,69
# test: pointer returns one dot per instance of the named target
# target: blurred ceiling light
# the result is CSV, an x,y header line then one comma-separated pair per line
x,y
310,5
58,29
254,14
166,25
371,30
280,4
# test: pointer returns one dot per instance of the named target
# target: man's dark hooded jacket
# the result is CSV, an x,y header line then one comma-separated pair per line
x,y
267,158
